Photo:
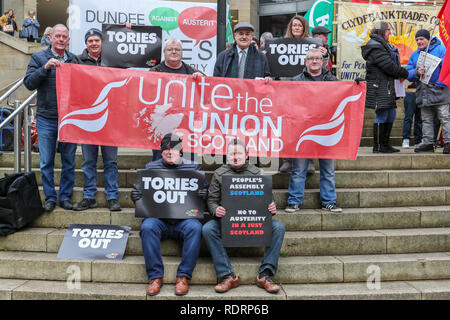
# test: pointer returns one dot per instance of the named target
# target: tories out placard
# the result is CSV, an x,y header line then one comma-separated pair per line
x,y
287,56
96,242
170,194
247,222
128,48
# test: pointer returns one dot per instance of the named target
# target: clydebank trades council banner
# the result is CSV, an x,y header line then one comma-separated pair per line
x,y
357,19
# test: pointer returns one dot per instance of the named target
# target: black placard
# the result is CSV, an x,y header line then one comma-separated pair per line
x,y
247,222
95,242
128,48
287,56
170,194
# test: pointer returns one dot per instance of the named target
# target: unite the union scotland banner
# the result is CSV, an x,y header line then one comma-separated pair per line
x,y
135,109
357,19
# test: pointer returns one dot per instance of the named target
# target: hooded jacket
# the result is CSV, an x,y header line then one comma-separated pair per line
x,y
435,92
381,70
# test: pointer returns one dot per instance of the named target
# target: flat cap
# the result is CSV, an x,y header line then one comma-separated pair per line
x,y
243,25
320,30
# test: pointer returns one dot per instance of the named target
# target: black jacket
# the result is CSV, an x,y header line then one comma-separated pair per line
x,y
228,60
188,68
306,76
45,82
84,58
381,70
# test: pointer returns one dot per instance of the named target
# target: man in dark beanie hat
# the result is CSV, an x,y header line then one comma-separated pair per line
x,y
153,230
432,96
92,56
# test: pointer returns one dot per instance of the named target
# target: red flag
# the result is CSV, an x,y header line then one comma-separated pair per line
x,y
444,31
135,109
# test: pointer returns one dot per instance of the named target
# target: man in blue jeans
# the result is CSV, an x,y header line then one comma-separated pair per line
x,y
154,230
237,164
41,75
313,72
92,56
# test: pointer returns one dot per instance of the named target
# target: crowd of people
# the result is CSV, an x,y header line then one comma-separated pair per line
x,y
241,60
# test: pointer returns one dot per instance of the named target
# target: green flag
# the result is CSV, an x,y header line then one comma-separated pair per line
x,y
321,13
229,37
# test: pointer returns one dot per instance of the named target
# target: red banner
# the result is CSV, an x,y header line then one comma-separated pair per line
x,y
444,32
135,109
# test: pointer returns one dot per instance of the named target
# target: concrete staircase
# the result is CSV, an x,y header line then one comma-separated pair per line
x,y
395,224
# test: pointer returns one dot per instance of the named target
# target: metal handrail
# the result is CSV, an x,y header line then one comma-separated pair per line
x,y
21,110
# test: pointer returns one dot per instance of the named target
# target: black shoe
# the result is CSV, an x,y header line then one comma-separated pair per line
x,y
66,205
424,148
85,204
49,206
446,148
114,205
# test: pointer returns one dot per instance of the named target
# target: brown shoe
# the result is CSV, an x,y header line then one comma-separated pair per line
x,y
154,286
267,284
226,284
181,287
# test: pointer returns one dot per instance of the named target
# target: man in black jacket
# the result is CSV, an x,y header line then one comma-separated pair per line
x,y
41,75
242,60
313,72
92,55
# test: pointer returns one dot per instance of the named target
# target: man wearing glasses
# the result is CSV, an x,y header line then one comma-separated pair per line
x,y
313,72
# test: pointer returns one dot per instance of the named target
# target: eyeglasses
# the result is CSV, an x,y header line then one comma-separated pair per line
x,y
314,59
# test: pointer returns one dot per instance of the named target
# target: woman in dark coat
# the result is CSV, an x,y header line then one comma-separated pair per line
x,y
383,66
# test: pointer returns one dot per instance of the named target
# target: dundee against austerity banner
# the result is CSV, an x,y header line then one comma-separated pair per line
x,y
134,108
194,23
357,19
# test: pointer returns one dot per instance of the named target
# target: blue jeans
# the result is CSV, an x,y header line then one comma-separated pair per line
x,y
47,135
385,115
110,171
213,237
411,110
154,230
298,178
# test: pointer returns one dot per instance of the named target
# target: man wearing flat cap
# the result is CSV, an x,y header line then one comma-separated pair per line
x,y
153,230
92,56
322,33
242,60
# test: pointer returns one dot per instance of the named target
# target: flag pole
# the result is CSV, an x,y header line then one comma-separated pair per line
x,y
429,42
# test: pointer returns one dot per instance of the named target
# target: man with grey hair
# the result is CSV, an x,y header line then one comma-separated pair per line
x,y
263,39
313,72
41,76
172,63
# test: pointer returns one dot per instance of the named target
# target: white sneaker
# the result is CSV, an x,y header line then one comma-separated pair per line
x,y
405,143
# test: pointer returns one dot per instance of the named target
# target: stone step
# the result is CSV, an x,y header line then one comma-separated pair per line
x,y
291,270
389,290
132,159
303,220
296,243
343,178
346,198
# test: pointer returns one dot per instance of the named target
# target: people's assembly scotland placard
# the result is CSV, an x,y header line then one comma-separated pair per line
x,y
287,56
247,222
96,242
128,48
170,194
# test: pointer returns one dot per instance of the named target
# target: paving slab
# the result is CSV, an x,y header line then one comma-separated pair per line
x,y
7,286
433,290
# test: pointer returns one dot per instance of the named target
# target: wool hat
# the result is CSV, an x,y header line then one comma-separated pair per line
x,y
92,32
423,33
171,141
